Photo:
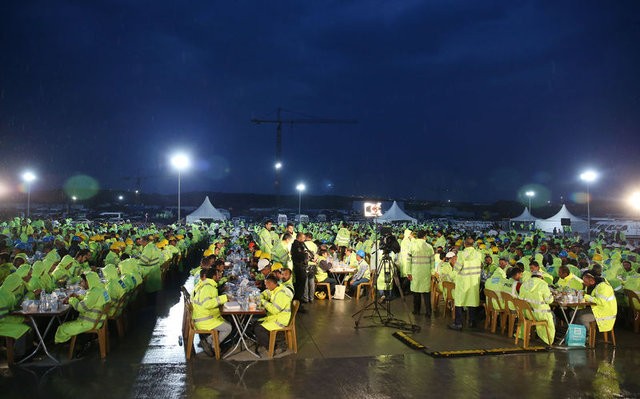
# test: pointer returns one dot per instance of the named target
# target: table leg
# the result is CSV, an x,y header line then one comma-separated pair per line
x,y
573,316
241,326
41,340
232,350
247,322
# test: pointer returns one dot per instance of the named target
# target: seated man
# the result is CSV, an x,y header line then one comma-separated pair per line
x,y
604,307
568,279
536,291
324,265
89,307
278,306
362,274
206,308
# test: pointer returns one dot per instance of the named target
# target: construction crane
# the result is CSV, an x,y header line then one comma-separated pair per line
x,y
309,120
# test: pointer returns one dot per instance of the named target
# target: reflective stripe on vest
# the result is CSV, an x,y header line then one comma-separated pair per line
x,y
470,271
87,309
280,324
605,318
606,298
89,319
202,319
535,302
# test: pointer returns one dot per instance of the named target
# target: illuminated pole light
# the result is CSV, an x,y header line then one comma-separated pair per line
x,y
300,187
530,194
74,198
28,178
634,201
588,177
278,165
180,162
120,197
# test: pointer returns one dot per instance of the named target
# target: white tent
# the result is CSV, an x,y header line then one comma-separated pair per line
x,y
577,224
525,221
525,216
205,211
395,214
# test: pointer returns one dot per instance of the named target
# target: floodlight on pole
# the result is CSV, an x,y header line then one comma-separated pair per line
x,y
634,200
28,178
74,198
180,162
300,187
588,176
530,194
278,165
120,197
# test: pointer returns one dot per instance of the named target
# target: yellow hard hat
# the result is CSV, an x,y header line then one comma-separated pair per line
x,y
597,258
265,255
276,266
128,241
114,247
494,249
208,252
458,243
321,295
483,246
512,262
257,253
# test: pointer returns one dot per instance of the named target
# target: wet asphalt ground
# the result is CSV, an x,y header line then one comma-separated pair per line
x,y
334,359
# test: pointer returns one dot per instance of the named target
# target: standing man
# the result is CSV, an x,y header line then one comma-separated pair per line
x,y
421,262
300,262
264,237
403,257
467,280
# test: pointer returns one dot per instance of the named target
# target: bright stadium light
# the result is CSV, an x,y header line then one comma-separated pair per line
x,y
74,198
530,194
278,165
28,178
120,197
180,162
634,200
588,176
300,187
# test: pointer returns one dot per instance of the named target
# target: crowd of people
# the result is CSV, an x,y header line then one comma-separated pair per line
x,y
286,262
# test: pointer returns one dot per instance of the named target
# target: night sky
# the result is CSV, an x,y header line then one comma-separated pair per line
x,y
468,101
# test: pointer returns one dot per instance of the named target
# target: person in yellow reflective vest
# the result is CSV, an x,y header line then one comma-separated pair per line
x,y
278,307
343,237
536,292
65,270
150,261
6,267
89,307
280,252
324,265
496,280
568,279
206,308
534,267
265,241
467,280
403,256
115,286
421,262
10,326
604,307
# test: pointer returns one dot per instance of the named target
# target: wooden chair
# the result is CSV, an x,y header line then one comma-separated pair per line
x,y
289,331
593,331
512,315
118,314
193,331
449,303
10,343
185,313
635,313
327,286
492,313
368,285
526,321
436,294
100,331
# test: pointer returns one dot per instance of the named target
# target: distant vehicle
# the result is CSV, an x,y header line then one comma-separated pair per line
x,y
282,219
302,219
321,218
111,217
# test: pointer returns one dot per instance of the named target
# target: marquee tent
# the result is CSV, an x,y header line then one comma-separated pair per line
x,y
395,214
555,221
205,211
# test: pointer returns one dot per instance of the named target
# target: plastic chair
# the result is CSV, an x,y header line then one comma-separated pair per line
x,y
492,313
368,285
185,312
193,331
512,315
635,313
526,321
100,331
289,331
436,294
593,331
449,303
327,286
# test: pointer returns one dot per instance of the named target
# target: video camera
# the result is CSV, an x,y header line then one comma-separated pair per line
x,y
388,243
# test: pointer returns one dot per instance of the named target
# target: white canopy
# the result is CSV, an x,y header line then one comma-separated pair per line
x,y
577,224
395,214
525,216
205,211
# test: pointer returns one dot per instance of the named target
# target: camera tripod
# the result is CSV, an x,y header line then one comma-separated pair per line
x,y
379,308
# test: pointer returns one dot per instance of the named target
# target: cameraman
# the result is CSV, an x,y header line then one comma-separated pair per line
x,y
299,257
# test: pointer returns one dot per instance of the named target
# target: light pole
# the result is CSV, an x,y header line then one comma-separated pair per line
x,y
634,201
530,194
28,177
180,162
300,187
588,177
